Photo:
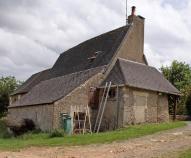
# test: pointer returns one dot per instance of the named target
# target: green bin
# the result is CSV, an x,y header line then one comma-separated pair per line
x,y
66,123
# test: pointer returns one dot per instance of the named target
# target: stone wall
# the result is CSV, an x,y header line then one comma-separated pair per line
x,y
113,113
128,100
42,115
144,106
131,107
14,98
135,106
78,97
163,111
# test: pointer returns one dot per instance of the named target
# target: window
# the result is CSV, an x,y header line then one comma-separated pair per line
x,y
94,98
112,93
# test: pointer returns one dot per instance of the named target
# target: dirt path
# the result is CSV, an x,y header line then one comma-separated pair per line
x,y
152,146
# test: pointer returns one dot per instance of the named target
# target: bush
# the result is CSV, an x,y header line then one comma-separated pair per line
x,y
57,133
28,125
36,131
188,104
25,126
4,133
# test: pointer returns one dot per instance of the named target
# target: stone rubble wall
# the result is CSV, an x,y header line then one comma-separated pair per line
x,y
42,115
78,97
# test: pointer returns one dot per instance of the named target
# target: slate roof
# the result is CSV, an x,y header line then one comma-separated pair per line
x,y
54,89
92,53
101,48
138,75
32,81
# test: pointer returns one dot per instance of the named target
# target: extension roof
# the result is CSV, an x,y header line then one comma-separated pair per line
x,y
92,53
51,90
138,75
32,81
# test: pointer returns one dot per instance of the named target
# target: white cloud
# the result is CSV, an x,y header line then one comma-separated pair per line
x,y
21,56
34,32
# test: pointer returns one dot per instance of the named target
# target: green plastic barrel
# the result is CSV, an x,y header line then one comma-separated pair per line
x,y
66,123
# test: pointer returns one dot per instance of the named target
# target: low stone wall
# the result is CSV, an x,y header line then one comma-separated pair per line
x,y
42,115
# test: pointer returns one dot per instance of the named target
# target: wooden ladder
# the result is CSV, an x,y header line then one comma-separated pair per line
x,y
79,122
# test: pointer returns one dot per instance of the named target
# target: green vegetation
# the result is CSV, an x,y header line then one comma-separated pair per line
x,y
57,133
179,74
3,130
7,86
185,154
43,139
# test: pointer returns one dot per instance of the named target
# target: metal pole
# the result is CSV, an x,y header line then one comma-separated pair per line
x,y
175,106
117,106
100,105
85,121
89,119
104,107
126,14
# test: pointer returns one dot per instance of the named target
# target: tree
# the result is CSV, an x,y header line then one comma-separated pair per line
x,y
188,103
179,74
7,86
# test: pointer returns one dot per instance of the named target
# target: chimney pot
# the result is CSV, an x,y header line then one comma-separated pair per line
x,y
133,10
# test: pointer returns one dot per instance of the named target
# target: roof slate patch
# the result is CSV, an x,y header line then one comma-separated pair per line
x,y
32,81
77,58
139,76
54,89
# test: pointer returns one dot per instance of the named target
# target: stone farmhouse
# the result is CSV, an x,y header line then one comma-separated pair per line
x,y
138,92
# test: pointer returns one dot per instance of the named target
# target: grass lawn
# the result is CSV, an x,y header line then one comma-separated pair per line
x,y
185,154
43,139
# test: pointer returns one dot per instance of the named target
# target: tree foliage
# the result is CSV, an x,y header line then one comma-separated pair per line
x,y
179,74
7,86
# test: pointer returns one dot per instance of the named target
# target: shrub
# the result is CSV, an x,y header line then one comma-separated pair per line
x,y
36,131
25,126
57,133
4,133
188,104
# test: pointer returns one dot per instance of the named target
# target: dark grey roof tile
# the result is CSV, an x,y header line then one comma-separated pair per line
x,y
140,76
54,89
77,58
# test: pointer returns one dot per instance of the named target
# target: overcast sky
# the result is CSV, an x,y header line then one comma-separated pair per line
x,y
34,32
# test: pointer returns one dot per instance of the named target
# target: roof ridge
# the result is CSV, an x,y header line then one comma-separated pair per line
x,y
122,59
98,36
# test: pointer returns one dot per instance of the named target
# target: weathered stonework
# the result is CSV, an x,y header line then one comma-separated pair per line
x,y
133,46
163,111
154,106
15,98
78,97
135,106
119,112
42,115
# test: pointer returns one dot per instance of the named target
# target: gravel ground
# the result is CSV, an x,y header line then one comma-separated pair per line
x,y
152,146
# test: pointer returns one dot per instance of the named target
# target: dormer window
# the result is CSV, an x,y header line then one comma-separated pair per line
x,y
92,58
